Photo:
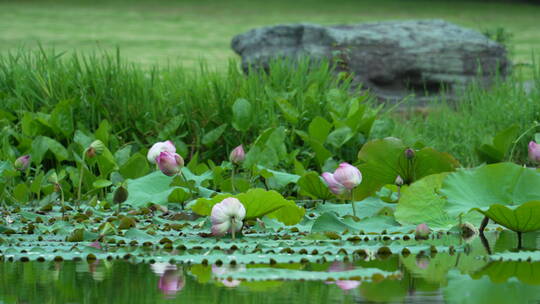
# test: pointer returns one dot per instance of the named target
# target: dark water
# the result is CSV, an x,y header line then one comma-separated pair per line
x,y
461,277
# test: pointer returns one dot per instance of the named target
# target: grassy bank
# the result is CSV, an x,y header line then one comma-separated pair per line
x,y
183,32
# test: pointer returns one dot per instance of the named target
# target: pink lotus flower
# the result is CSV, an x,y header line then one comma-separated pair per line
x,y
227,217
22,163
237,155
335,187
534,152
422,231
348,175
169,163
157,148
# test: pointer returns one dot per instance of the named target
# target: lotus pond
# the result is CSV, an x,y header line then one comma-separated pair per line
x,y
95,222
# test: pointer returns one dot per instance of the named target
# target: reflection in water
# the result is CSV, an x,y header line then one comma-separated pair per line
x,y
171,279
343,284
458,277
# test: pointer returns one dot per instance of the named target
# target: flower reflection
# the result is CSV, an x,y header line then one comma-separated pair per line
x,y
422,261
222,271
96,270
171,279
343,284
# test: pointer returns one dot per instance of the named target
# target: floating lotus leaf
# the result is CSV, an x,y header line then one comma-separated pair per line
x,y
516,256
330,222
257,274
503,184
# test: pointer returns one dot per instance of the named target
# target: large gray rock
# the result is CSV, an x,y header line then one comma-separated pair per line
x,y
392,59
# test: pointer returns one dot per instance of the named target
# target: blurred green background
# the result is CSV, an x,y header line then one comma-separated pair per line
x,y
185,31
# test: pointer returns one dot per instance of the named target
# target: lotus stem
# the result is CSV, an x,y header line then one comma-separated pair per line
x,y
232,179
483,225
233,228
520,246
81,172
62,200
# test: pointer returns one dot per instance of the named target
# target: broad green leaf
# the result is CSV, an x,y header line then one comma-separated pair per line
x,y
101,183
62,118
339,137
421,203
151,188
290,113
521,218
212,136
382,160
268,150
106,163
242,115
502,271
135,167
495,150
318,129
312,185
258,203
330,222
502,183
178,195
103,132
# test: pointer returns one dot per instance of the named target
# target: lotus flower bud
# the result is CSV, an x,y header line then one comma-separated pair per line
x,y
409,154
422,231
347,175
534,152
96,148
334,186
169,163
227,216
157,148
399,181
237,155
22,163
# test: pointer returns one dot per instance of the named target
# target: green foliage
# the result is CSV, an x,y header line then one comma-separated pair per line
x,y
496,149
521,218
258,203
382,161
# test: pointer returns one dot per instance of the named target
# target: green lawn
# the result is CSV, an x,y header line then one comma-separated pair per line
x,y
182,32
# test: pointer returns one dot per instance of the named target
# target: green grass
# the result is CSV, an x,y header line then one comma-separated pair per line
x,y
148,104
459,128
183,32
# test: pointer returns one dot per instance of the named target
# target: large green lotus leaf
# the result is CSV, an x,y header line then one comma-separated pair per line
x,y
422,203
258,203
500,272
503,183
461,289
516,256
311,184
522,218
151,188
382,160
257,274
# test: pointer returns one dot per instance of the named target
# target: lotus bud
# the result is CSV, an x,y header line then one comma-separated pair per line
x,y
227,217
347,175
237,155
334,186
120,195
409,154
399,181
169,163
534,152
157,148
422,231
53,178
96,148
22,163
